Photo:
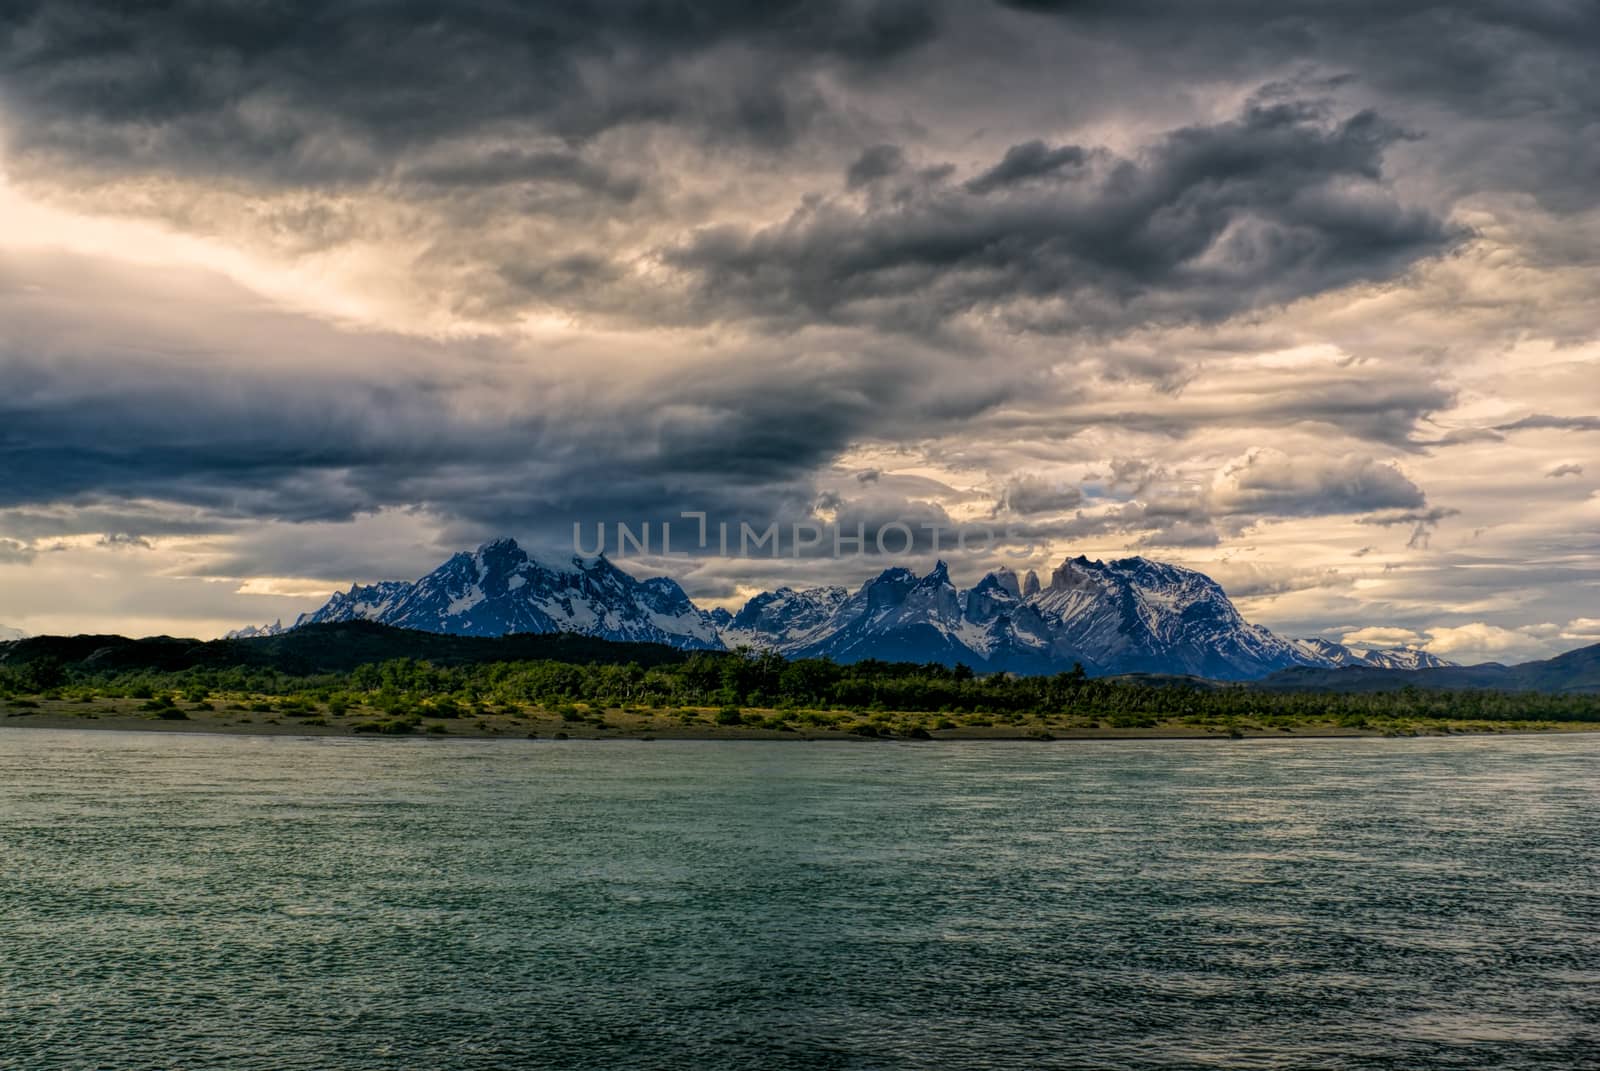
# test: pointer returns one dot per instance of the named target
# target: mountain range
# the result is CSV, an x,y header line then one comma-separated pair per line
x,y
1132,615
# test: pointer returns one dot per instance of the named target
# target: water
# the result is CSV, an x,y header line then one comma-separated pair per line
x,y
190,901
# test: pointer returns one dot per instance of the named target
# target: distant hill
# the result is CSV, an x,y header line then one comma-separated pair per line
x,y
1575,671
330,648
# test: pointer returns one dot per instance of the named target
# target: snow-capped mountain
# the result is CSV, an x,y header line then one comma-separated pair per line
x,y
1320,652
1132,615
782,618
499,589
7,634
1127,616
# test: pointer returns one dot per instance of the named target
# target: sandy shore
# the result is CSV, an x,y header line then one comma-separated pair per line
x,y
126,715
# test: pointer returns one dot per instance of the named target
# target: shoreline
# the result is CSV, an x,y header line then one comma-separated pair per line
x,y
644,729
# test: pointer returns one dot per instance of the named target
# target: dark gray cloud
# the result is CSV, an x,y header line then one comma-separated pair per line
x,y
315,92
1275,483
874,163
208,418
1029,161
1027,494
1284,201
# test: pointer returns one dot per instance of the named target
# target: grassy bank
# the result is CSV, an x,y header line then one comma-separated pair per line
x,y
277,715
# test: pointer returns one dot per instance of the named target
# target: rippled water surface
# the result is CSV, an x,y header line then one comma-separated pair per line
x,y
190,901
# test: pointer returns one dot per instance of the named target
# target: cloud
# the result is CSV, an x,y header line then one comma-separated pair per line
x,y
1582,629
1027,494
1269,481
1209,221
1544,421
1422,522
1032,160
293,320
1378,636
874,163
124,540
308,93
14,551
1564,469
1479,641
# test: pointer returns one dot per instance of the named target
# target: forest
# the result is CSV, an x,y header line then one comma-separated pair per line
x,y
749,680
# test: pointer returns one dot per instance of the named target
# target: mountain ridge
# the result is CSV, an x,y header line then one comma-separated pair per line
x,y
343,646
1129,615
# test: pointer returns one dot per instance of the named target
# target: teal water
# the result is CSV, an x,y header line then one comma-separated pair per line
x,y
190,901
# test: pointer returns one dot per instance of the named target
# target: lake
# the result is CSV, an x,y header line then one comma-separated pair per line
x,y
194,901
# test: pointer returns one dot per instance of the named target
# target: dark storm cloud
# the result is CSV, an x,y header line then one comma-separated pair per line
x,y
210,417
1386,411
1282,202
452,171
1471,52
875,162
317,92
1027,494
1030,160
585,158
1481,60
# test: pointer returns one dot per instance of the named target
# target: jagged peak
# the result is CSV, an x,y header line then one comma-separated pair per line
x,y
938,575
1030,584
1071,574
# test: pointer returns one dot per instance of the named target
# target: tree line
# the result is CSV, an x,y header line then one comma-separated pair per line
x,y
754,679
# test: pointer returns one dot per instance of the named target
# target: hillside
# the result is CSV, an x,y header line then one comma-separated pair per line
x,y
1575,671
330,648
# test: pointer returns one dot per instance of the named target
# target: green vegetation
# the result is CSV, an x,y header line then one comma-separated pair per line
x,y
748,690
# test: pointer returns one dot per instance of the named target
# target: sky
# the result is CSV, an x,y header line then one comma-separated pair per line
x,y
1302,295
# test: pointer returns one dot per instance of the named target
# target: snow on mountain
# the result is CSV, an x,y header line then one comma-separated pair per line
x,y
782,618
499,589
1137,615
7,634
1401,658
1132,615
1320,652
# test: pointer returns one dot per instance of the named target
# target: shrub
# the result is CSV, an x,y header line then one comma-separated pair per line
x,y
388,726
444,707
730,716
